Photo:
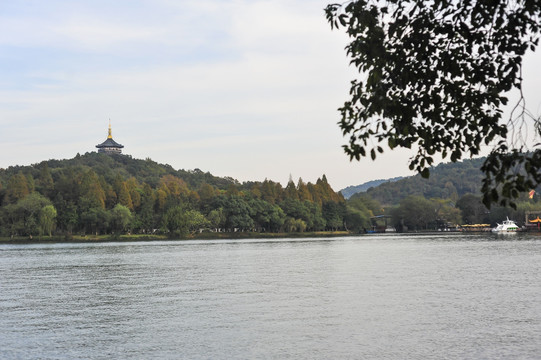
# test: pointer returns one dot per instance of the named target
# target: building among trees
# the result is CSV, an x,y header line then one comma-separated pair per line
x,y
110,146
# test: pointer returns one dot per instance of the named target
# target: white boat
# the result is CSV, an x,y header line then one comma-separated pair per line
x,y
508,226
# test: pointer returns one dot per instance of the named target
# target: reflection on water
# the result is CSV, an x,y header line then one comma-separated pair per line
x,y
394,297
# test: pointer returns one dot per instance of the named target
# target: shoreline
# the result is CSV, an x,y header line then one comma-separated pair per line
x,y
218,236
200,236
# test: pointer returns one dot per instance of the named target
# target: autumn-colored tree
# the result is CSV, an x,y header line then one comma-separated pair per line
x,y
91,190
161,197
122,193
45,183
17,188
232,190
175,186
271,191
206,194
303,191
290,191
90,195
134,190
322,192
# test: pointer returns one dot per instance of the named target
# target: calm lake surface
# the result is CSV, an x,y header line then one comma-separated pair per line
x,y
447,296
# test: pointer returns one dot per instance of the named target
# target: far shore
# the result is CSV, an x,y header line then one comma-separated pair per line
x,y
212,236
139,237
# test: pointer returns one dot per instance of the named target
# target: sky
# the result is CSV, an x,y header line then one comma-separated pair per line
x,y
241,88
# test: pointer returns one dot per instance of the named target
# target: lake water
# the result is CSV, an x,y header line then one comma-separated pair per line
x,y
447,296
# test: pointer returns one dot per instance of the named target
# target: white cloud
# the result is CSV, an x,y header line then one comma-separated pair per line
x,y
247,89
102,36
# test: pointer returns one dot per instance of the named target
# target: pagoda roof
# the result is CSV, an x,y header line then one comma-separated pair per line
x,y
109,143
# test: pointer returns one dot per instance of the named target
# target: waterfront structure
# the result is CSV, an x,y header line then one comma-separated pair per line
x,y
110,146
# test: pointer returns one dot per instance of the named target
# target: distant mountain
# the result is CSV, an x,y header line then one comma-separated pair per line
x,y
354,189
446,181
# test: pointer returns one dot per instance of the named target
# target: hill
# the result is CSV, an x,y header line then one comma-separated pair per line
x,y
110,167
105,194
352,190
447,181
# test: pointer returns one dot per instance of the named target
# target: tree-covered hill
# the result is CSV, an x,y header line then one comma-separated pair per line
x,y
450,196
447,181
354,189
104,194
111,166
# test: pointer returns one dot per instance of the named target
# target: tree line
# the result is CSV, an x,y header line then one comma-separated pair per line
x,y
101,194
450,196
418,213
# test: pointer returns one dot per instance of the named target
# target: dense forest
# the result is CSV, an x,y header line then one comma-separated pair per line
x,y
98,194
449,197
354,189
113,194
446,181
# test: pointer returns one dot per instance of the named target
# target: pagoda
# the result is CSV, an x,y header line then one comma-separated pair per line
x,y
110,146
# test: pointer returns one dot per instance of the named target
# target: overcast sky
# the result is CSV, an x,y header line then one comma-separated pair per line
x,y
240,88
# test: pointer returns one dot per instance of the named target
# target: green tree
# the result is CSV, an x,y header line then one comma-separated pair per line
x,y
472,209
435,77
446,212
333,213
359,209
267,217
45,183
238,212
195,220
355,220
67,218
294,225
95,220
296,209
316,221
217,218
309,212
2,195
290,191
23,218
206,195
365,202
146,213
12,222
414,213
179,221
47,219
121,217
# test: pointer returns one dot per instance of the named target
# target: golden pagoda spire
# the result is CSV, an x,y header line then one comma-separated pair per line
x,y
110,136
110,146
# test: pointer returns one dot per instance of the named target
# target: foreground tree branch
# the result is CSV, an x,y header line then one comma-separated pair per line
x,y
434,75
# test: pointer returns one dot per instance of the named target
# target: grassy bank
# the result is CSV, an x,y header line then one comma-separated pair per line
x,y
198,236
